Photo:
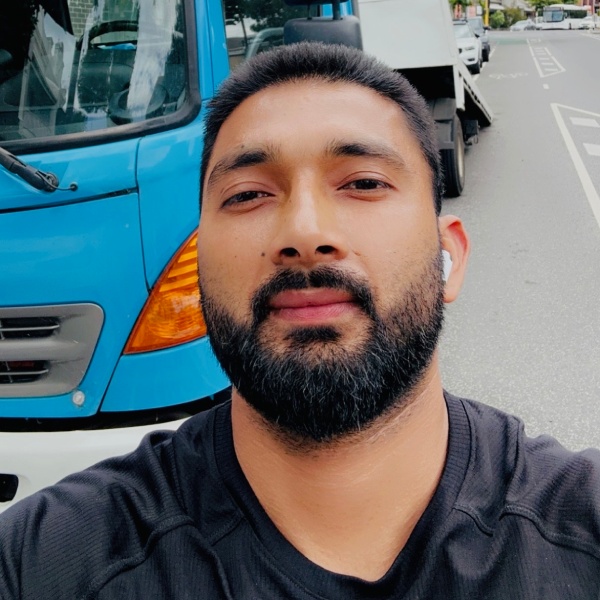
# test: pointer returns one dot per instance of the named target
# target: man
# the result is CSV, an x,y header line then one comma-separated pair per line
x,y
340,468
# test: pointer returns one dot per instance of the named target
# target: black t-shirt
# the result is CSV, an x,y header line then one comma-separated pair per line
x,y
512,518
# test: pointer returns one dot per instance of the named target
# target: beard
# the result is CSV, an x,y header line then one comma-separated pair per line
x,y
313,388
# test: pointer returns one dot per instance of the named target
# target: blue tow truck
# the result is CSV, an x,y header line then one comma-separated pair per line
x,y
101,334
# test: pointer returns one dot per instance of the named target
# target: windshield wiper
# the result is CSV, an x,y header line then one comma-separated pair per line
x,y
40,180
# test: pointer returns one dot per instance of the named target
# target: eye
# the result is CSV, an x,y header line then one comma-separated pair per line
x,y
366,184
243,197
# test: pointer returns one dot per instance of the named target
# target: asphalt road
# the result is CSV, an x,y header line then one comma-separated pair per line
x,y
525,334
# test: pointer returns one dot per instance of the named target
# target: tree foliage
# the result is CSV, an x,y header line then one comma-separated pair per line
x,y
497,20
512,15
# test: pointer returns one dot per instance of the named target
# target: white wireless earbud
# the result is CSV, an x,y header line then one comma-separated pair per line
x,y
447,264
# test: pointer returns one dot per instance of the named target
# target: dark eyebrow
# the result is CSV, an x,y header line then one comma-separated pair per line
x,y
239,160
368,149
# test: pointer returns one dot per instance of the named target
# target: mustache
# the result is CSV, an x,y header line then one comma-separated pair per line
x,y
320,277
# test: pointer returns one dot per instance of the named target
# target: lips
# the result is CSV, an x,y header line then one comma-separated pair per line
x,y
311,304
304,298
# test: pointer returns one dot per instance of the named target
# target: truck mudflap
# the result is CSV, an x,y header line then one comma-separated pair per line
x,y
43,458
443,111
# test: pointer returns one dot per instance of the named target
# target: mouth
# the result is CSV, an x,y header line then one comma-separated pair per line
x,y
312,306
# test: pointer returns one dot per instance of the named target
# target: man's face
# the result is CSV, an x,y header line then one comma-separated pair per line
x,y
319,256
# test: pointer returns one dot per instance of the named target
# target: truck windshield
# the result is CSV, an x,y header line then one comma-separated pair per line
x,y
73,66
476,24
462,31
255,27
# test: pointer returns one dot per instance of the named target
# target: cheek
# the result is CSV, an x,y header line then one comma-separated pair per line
x,y
216,267
229,270
391,239
393,250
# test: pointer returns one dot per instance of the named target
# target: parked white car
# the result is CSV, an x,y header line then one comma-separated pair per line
x,y
590,22
525,25
481,30
469,46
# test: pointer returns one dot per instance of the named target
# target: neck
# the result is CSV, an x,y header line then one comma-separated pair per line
x,y
349,506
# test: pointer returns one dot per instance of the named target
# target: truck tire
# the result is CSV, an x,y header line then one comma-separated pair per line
x,y
453,162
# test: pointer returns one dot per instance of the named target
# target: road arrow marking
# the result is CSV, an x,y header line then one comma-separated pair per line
x,y
582,173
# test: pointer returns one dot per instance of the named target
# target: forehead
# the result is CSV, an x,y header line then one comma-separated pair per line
x,y
306,115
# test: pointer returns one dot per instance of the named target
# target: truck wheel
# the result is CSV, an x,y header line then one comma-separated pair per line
x,y
476,68
453,162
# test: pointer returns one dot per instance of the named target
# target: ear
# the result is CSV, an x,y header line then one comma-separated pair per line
x,y
455,241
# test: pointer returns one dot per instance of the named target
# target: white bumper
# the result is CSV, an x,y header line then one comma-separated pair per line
x,y
470,57
41,459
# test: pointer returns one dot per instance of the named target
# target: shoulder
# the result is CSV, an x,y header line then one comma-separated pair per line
x,y
559,491
537,479
65,535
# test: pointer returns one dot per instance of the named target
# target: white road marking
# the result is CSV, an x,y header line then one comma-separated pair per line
x,y
585,122
592,149
586,181
546,86
545,63
535,61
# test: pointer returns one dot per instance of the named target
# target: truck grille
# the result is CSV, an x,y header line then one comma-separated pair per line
x,y
22,371
46,350
22,328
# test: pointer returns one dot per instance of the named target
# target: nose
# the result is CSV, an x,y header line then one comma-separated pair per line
x,y
308,231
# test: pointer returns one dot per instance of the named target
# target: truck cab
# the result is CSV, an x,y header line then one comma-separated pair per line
x,y
101,335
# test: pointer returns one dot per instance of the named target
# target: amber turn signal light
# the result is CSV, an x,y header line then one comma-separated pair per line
x,y
172,314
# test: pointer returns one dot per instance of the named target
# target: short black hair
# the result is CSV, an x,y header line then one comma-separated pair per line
x,y
330,63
